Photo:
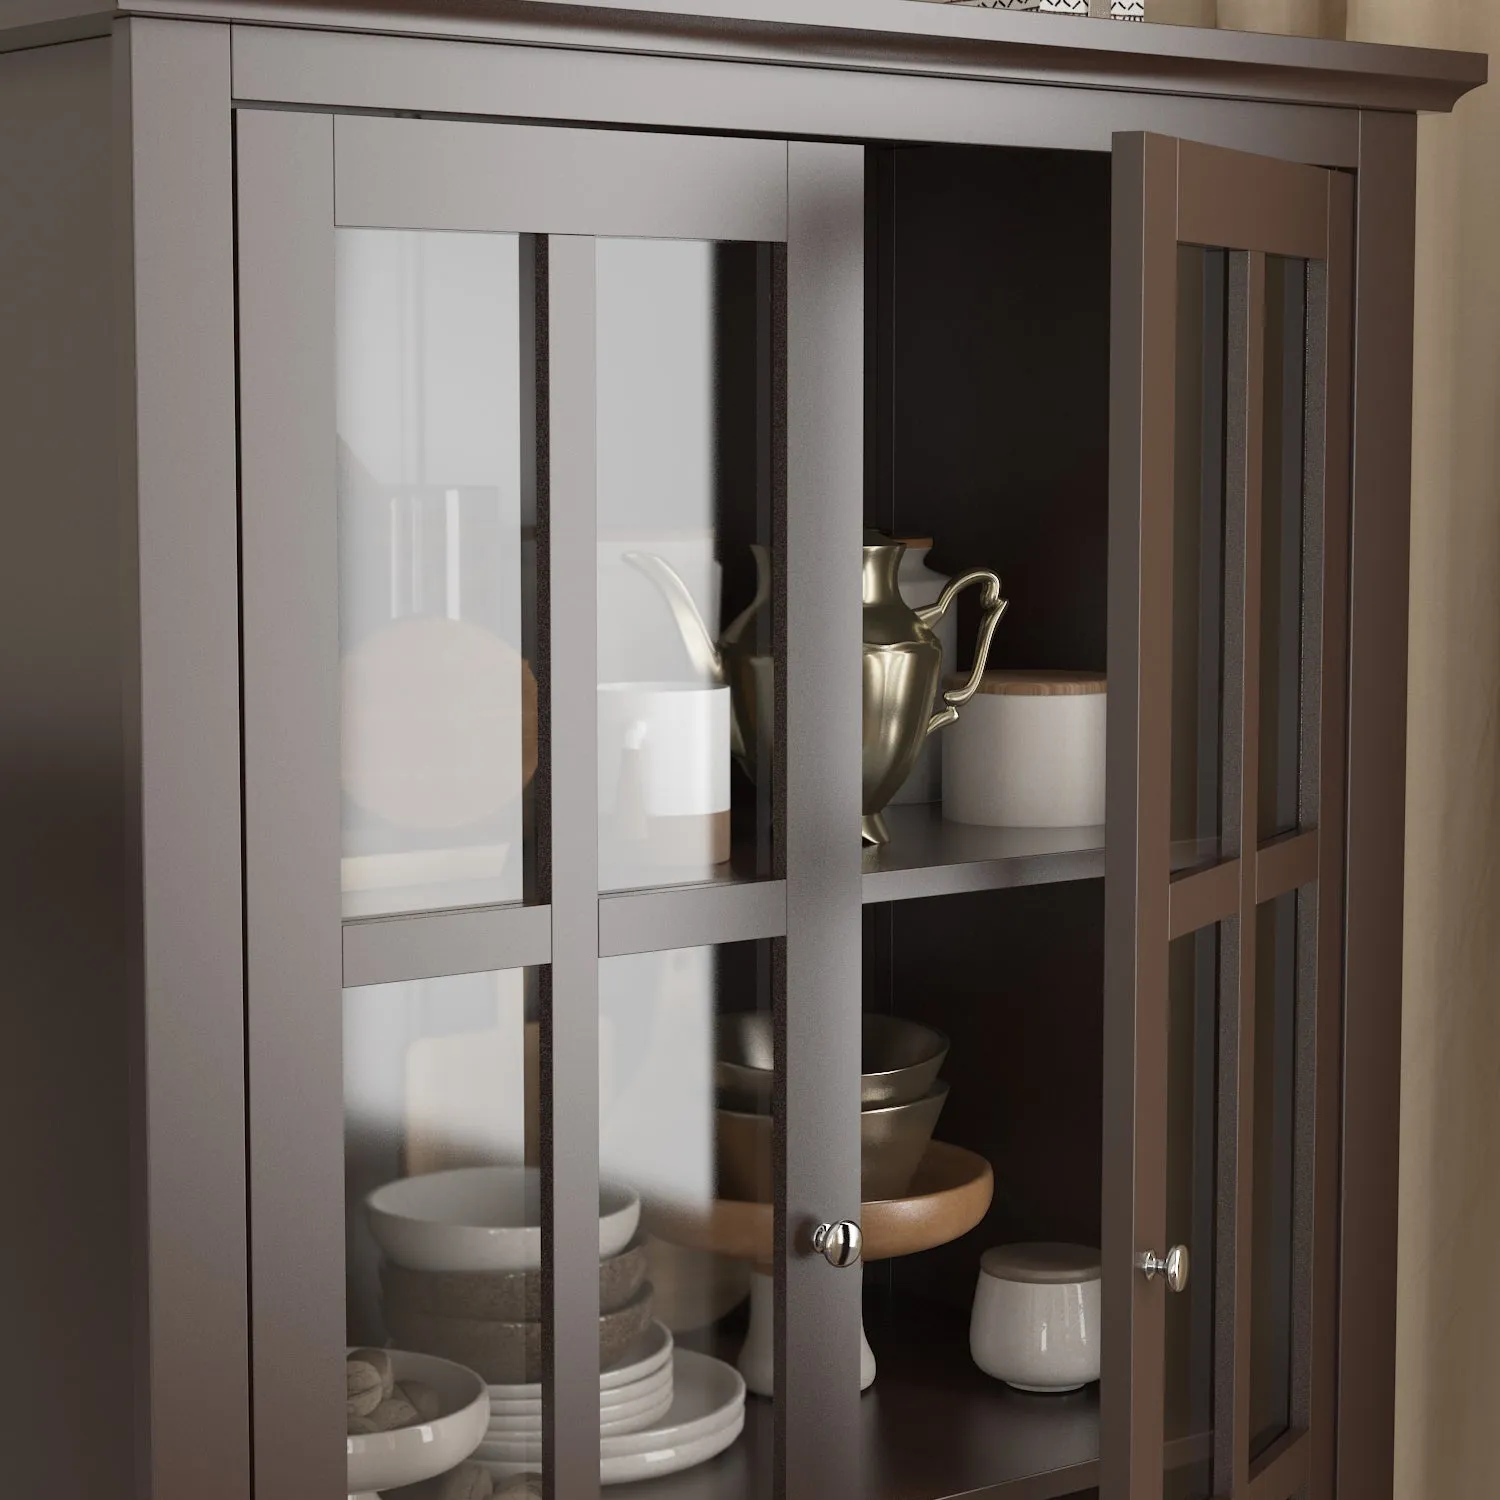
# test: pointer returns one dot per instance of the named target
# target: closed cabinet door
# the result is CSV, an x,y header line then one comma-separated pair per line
x,y
532,421
1228,542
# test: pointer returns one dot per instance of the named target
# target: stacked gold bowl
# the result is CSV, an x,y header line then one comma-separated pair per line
x,y
900,1100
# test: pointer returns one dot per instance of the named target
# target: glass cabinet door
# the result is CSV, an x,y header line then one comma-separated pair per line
x,y
515,463
1228,541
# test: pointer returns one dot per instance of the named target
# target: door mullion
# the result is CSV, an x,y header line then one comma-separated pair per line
x,y
1244,461
566,527
818,1000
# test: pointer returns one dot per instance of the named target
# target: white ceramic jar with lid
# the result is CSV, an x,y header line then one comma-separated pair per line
x,y
1035,1323
1028,752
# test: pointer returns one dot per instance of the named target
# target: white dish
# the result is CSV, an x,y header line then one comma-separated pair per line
x,y
385,1460
650,1353
650,1465
706,1393
611,1403
503,1443
481,1219
655,1401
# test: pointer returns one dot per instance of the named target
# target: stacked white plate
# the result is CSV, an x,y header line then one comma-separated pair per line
x,y
660,1409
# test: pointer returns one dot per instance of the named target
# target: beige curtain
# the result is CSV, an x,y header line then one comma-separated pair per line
x,y
1448,1384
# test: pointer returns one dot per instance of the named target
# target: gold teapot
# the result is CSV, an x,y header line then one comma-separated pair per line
x,y
903,665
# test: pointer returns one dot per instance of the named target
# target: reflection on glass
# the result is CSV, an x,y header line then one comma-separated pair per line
x,y
442,1218
1276,1011
685,1072
438,695
685,586
1198,559
1281,530
1192,1116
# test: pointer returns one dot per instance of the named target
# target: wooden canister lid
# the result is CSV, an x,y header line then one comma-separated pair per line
x,y
1014,682
1042,1264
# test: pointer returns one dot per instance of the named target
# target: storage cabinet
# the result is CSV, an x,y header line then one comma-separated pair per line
x,y
502,400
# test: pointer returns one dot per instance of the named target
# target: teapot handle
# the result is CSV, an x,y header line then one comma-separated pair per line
x,y
994,607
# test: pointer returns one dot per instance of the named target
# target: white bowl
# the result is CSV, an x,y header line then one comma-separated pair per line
x,y
481,1219
384,1460
1035,1323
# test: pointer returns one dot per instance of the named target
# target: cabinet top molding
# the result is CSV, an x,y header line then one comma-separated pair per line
x,y
895,36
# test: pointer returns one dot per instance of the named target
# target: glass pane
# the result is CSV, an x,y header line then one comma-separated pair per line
x,y
443,1222
1281,530
1198,560
1196,962
686,594
688,1309
1276,1018
436,557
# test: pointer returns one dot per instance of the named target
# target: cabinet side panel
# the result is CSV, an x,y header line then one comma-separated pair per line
x,y
1379,552
64,887
174,242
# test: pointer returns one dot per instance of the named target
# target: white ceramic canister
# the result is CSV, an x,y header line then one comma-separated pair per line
x,y
920,586
1035,1323
1028,752
663,781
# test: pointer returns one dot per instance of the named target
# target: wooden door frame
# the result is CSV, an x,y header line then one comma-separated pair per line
x,y
1167,193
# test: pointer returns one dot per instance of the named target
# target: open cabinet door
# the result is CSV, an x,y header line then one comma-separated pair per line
x,y
1229,452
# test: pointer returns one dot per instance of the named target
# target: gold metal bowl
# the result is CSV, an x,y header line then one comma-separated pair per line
x,y
892,1141
899,1061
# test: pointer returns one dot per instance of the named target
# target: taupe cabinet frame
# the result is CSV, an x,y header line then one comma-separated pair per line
x,y
127,122
1167,194
300,176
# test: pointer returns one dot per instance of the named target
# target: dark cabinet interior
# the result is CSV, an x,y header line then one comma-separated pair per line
x,y
987,358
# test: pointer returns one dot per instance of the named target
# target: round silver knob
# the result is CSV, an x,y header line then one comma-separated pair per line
x,y
1175,1267
838,1244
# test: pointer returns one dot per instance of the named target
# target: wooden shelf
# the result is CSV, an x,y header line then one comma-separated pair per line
x,y
930,857
935,1425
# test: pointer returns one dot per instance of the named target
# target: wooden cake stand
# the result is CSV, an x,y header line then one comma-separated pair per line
x,y
950,1193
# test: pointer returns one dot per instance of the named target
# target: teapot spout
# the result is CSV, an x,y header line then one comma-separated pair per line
x,y
701,648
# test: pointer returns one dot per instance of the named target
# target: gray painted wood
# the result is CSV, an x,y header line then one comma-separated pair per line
x,y
943,38
174,203
818,1027
294,1021
69,877
546,83
652,921
425,945
566,530
448,174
